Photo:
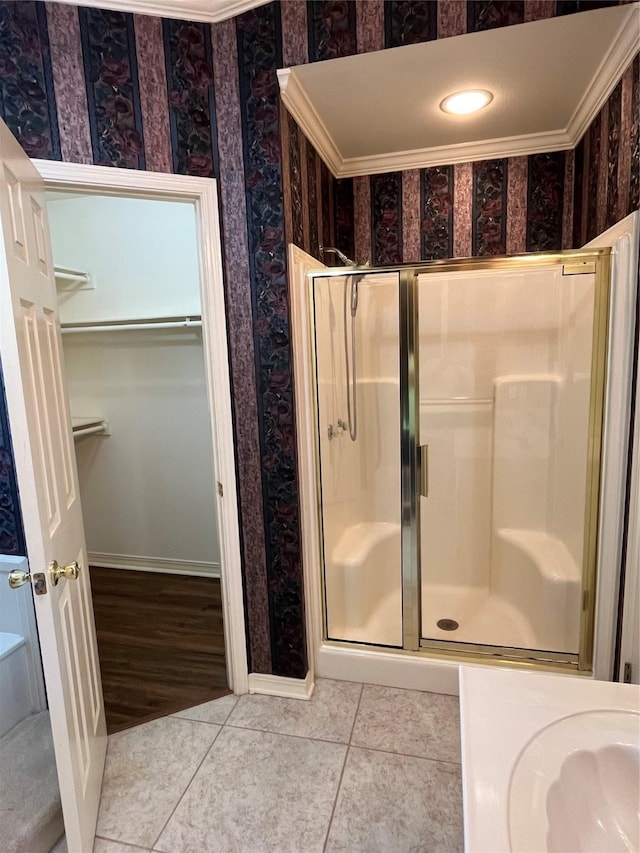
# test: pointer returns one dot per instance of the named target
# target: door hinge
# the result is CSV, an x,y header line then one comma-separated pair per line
x,y
585,599
220,489
626,673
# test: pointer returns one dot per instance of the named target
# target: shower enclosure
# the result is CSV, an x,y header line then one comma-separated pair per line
x,y
459,415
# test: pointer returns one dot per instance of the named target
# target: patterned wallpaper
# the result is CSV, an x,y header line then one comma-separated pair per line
x,y
91,86
11,533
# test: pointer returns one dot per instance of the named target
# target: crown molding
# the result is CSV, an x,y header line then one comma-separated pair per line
x,y
210,11
443,155
296,100
604,81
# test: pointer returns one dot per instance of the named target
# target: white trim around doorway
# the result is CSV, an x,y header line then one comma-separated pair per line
x,y
203,192
623,240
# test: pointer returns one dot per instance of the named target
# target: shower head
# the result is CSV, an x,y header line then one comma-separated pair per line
x,y
345,260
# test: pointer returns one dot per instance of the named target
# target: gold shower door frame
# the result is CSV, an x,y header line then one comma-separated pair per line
x,y
589,260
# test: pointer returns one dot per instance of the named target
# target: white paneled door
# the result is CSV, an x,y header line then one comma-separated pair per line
x,y
30,348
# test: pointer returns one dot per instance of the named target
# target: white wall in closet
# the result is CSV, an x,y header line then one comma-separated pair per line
x,y
148,488
141,255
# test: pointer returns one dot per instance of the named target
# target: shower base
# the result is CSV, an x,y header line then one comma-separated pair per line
x,y
483,618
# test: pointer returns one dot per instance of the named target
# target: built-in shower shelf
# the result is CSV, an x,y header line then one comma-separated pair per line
x,y
458,401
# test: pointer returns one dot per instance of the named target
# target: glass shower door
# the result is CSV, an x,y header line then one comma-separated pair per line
x,y
356,324
510,365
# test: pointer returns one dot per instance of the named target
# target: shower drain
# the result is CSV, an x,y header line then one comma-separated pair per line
x,y
447,624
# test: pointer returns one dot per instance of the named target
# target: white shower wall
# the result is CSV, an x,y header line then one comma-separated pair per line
x,y
361,479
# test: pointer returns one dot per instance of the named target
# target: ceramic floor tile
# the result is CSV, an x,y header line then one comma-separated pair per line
x,y
215,711
397,804
147,770
257,791
104,845
328,715
410,722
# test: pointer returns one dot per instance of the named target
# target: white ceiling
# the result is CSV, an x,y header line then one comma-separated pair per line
x,y
375,111
187,10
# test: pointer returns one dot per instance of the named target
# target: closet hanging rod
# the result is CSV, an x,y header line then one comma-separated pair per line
x,y
70,275
96,429
193,322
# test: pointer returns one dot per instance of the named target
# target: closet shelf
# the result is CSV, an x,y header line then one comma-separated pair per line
x,y
191,322
83,426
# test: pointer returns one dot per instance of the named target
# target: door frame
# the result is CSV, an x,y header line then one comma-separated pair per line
x,y
617,612
203,192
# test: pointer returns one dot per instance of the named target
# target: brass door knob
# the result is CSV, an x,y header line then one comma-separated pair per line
x,y
70,572
18,578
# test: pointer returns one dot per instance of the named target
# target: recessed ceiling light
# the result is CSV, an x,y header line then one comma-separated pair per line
x,y
463,103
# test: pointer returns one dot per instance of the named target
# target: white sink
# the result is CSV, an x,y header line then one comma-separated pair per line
x,y
549,763
576,786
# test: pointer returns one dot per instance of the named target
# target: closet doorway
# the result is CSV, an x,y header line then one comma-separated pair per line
x,y
143,375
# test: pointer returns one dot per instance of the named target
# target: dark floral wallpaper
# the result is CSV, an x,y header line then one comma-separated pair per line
x,y
332,29
326,203
108,48
192,104
436,212
27,99
545,200
613,142
133,91
489,207
343,216
386,218
259,55
314,195
595,139
11,533
295,169
634,191
410,21
499,13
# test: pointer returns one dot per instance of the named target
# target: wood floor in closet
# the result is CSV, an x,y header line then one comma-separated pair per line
x,y
160,641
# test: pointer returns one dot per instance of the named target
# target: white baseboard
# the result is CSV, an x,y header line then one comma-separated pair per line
x,y
278,685
154,564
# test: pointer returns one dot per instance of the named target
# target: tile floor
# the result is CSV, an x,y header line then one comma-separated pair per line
x,y
358,768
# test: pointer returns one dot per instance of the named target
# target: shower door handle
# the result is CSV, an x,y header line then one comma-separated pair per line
x,y
424,470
